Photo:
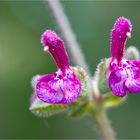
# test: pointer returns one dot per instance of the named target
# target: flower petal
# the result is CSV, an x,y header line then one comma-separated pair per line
x,y
55,45
48,90
133,85
133,81
120,33
58,90
116,82
71,88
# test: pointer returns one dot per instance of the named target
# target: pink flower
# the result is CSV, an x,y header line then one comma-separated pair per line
x,y
63,86
124,74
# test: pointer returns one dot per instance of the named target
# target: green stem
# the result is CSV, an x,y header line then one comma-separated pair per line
x,y
103,124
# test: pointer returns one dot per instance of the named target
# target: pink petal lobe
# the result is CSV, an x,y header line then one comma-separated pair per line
x,y
120,33
58,89
133,81
48,89
116,82
55,46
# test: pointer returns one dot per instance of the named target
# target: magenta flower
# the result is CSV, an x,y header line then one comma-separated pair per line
x,y
124,74
63,86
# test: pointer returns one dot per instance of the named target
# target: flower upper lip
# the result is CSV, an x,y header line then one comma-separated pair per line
x,y
55,46
119,35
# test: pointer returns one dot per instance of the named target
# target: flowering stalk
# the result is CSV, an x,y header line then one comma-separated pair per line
x,y
58,91
64,26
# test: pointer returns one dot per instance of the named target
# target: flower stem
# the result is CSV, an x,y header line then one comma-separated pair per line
x,y
103,124
67,32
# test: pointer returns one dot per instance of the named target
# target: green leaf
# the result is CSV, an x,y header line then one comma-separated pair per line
x,y
110,100
34,82
83,78
79,110
42,109
101,76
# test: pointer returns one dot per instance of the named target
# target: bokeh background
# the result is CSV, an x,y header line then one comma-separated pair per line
x,y
21,57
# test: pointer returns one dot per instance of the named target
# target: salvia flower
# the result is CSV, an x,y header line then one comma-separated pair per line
x,y
124,74
63,86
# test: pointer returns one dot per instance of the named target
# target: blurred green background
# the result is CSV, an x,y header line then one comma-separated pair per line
x,y
21,57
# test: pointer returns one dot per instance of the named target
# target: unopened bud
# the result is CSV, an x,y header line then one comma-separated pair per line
x,y
132,53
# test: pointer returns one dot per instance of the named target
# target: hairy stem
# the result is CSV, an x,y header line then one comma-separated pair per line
x,y
67,32
103,124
